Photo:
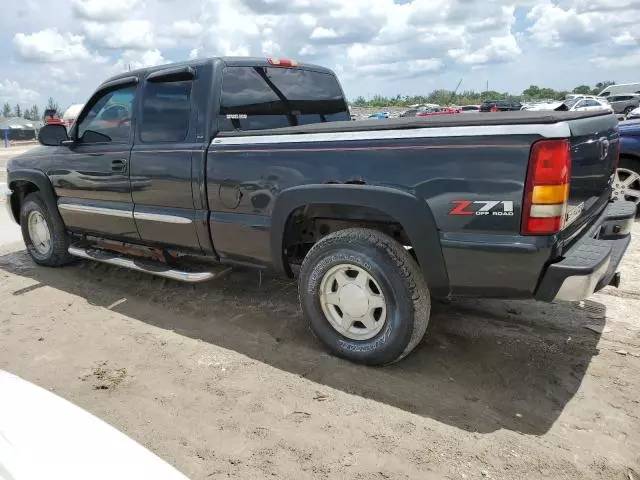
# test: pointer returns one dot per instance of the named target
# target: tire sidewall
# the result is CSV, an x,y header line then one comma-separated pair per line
x,y
392,340
28,207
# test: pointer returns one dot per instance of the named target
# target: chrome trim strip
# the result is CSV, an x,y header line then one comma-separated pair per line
x,y
159,217
551,130
74,207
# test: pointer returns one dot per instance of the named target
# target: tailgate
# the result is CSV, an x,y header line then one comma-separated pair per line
x,y
594,156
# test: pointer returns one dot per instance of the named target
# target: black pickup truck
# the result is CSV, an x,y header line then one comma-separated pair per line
x,y
185,170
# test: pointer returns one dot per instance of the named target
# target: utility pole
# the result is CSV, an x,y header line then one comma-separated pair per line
x,y
487,86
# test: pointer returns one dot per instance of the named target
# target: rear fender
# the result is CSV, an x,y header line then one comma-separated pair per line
x,y
413,214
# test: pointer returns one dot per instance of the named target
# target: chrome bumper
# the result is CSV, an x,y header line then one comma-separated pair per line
x,y
592,262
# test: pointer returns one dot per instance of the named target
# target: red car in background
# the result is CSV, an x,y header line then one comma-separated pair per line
x,y
429,111
51,116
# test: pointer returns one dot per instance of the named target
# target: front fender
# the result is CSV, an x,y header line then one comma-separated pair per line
x,y
412,213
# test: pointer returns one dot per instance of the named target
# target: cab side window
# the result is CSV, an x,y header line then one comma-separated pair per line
x,y
166,108
109,119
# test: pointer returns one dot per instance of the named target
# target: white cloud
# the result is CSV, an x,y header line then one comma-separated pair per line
x,y
411,47
186,29
130,34
50,46
582,23
132,60
65,75
11,91
629,61
499,49
104,10
321,33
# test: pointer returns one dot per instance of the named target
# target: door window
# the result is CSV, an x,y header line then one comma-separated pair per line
x,y
109,119
166,108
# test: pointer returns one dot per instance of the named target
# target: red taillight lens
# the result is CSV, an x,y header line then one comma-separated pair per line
x,y
547,187
552,162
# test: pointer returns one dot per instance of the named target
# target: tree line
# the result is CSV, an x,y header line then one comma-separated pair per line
x,y
470,97
32,113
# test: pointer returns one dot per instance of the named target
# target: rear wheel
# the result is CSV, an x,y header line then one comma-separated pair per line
x,y
364,296
628,110
44,235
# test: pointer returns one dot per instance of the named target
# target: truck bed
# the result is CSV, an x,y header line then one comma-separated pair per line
x,y
461,120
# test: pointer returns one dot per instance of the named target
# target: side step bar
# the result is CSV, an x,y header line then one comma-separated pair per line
x,y
153,268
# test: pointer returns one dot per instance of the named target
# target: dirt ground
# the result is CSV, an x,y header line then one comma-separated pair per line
x,y
224,380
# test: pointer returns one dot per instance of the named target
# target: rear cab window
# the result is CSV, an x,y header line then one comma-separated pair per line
x,y
258,97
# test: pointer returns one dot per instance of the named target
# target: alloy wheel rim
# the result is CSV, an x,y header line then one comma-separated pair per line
x,y
352,302
626,185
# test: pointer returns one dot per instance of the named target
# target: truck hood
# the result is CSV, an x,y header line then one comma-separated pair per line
x,y
44,436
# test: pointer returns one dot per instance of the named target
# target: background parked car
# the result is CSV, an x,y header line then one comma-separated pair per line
x,y
624,103
582,104
409,113
626,185
620,88
470,108
71,113
634,114
429,111
500,106
50,116
379,115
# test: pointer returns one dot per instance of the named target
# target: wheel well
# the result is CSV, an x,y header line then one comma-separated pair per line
x,y
21,189
309,223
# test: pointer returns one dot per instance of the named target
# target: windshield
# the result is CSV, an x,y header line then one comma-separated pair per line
x,y
572,101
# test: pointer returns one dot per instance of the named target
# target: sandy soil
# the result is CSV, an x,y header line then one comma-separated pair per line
x,y
224,380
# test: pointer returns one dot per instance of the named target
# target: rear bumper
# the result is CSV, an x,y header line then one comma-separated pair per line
x,y
592,262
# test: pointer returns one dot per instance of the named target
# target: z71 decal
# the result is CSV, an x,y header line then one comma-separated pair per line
x,y
482,207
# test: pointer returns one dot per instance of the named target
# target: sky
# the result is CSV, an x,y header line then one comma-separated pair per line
x,y
65,48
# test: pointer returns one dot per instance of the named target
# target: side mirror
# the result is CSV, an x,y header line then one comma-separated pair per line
x,y
53,135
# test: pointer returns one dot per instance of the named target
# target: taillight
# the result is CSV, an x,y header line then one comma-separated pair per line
x,y
282,63
547,187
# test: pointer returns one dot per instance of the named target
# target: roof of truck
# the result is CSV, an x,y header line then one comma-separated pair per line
x,y
230,61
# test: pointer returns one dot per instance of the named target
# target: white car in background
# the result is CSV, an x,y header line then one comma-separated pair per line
x,y
71,113
634,114
43,436
586,104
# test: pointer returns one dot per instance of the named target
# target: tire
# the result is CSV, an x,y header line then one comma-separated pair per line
x,y
391,270
55,256
628,110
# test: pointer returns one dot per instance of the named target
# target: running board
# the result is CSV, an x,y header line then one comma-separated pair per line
x,y
145,266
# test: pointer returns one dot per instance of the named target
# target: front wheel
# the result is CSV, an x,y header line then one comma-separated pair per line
x,y
364,296
44,235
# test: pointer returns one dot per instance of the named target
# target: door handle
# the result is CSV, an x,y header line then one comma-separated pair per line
x,y
119,165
